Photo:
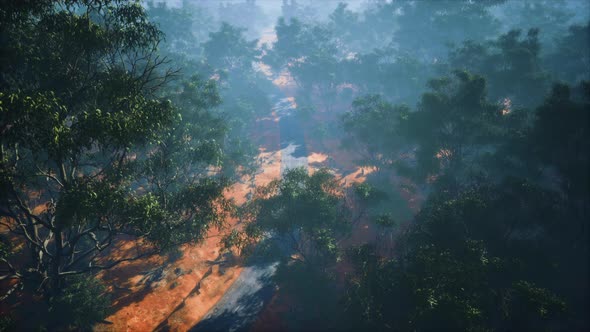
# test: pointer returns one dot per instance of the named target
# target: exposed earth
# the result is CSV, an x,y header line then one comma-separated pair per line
x,y
204,290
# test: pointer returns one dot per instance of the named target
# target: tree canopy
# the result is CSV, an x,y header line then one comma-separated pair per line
x,y
93,151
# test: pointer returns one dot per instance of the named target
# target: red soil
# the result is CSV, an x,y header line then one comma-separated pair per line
x,y
178,302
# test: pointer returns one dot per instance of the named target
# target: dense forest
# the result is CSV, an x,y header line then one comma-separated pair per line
x,y
364,165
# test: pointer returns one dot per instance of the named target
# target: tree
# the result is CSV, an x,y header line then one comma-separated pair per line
x,y
308,51
307,216
374,27
511,63
246,14
465,263
83,302
426,27
91,153
288,46
184,28
228,49
306,212
561,136
571,58
374,124
352,33
491,254
243,91
552,18
452,126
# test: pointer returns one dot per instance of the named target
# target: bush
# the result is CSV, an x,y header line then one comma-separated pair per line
x,y
82,303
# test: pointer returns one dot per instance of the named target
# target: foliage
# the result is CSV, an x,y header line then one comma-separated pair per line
x,y
204,53
247,15
570,59
452,125
181,26
309,53
426,27
227,49
374,124
305,211
511,63
82,303
561,136
92,149
313,297
490,254
462,265
124,120
552,18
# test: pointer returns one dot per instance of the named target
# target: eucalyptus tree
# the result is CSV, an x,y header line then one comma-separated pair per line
x,y
453,125
184,27
520,238
570,59
552,18
201,51
472,260
306,211
247,15
310,53
374,27
308,217
231,56
426,27
511,63
373,127
228,49
92,155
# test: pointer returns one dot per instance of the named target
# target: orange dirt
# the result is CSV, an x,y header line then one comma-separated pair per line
x,y
178,301
190,286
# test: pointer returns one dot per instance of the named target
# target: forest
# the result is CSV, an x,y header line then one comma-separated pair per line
x,y
294,165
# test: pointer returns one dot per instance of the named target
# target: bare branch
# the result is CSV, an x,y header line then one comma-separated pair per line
x,y
110,265
10,291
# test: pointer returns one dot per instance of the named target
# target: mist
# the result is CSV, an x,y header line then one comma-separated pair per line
x,y
294,165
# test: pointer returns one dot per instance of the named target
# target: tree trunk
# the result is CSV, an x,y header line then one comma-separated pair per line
x,y
56,263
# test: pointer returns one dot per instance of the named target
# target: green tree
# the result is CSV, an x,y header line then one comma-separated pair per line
x,y
308,217
247,14
306,212
309,52
90,152
451,128
570,59
184,28
82,303
228,49
465,263
561,136
492,254
427,27
552,18
374,124
243,90
511,63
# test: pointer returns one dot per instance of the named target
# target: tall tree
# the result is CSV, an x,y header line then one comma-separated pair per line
x,y
228,49
90,153
452,125
513,236
570,59
307,216
511,63
426,27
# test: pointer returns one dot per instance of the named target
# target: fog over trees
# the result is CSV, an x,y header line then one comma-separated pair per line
x,y
362,165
